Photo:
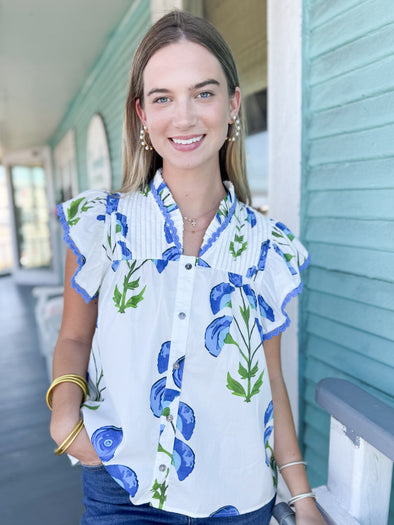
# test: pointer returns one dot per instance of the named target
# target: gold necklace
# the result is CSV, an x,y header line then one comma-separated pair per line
x,y
193,222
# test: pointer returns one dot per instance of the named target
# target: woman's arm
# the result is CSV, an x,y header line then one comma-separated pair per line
x,y
71,356
286,447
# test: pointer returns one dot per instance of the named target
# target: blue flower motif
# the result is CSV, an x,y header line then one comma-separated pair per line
x,y
265,309
106,440
115,265
177,373
285,230
125,477
216,333
263,255
269,413
162,360
160,396
112,203
100,217
172,254
220,297
235,279
183,459
268,417
279,252
203,263
186,421
251,272
249,292
260,329
121,224
251,217
168,234
267,433
225,512
126,253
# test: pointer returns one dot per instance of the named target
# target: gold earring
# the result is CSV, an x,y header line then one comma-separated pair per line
x,y
236,129
143,137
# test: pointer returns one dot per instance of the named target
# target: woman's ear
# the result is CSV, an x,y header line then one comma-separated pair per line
x,y
140,112
235,102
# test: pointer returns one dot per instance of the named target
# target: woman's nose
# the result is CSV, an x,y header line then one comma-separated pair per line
x,y
184,115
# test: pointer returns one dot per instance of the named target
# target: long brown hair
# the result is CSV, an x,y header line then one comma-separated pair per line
x,y
139,164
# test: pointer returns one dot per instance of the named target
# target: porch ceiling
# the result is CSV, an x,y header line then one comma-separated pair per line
x,y
47,47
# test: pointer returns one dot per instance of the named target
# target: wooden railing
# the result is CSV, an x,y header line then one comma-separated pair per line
x,y
360,458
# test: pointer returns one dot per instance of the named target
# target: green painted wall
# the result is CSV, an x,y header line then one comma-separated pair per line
x,y
104,92
348,206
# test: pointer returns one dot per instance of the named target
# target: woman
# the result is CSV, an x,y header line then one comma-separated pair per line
x,y
182,284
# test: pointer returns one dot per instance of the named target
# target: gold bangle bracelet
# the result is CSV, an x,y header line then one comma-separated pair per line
x,y
67,378
69,439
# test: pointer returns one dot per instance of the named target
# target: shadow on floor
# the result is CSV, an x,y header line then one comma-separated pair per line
x,y
36,487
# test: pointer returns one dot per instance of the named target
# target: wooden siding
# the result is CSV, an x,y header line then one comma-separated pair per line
x,y
104,92
347,206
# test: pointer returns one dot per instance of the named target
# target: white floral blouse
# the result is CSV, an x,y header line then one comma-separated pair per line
x,y
179,408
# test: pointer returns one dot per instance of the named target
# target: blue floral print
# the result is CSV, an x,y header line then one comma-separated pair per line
x,y
177,373
106,440
185,421
268,429
225,512
216,333
125,477
251,217
183,459
265,309
171,254
121,224
162,360
220,297
252,271
286,257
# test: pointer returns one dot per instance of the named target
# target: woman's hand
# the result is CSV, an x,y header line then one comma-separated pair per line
x,y
81,448
307,513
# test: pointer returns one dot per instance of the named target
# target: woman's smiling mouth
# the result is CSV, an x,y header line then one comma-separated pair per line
x,y
187,141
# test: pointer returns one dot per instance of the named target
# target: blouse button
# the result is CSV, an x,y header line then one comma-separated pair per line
x,y
188,266
169,417
162,468
181,315
176,366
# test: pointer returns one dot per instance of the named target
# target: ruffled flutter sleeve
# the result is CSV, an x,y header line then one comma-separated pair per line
x,y
84,222
285,259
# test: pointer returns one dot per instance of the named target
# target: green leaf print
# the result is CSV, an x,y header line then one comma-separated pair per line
x,y
257,385
242,372
120,298
238,246
73,210
288,257
236,388
133,301
117,296
133,285
249,367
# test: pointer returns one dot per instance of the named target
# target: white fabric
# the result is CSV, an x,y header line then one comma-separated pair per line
x,y
180,408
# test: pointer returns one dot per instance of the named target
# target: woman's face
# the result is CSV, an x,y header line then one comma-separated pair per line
x,y
186,106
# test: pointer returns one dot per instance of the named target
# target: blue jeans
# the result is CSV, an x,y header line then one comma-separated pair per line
x,y
107,503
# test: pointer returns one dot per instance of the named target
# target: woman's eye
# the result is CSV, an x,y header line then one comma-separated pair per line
x,y
161,100
205,94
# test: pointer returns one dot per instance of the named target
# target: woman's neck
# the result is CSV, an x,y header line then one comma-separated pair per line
x,y
195,193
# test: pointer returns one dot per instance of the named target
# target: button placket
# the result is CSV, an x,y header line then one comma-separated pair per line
x,y
179,332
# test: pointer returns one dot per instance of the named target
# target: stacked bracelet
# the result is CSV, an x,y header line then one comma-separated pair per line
x,y
291,464
67,378
294,499
69,439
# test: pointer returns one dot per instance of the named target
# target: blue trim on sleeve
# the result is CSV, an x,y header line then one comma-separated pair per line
x,y
289,296
74,249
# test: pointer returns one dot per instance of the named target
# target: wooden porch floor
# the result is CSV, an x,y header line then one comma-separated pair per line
x,y
36,487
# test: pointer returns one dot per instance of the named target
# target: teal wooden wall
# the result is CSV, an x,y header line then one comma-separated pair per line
x,y
104,92
348,206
